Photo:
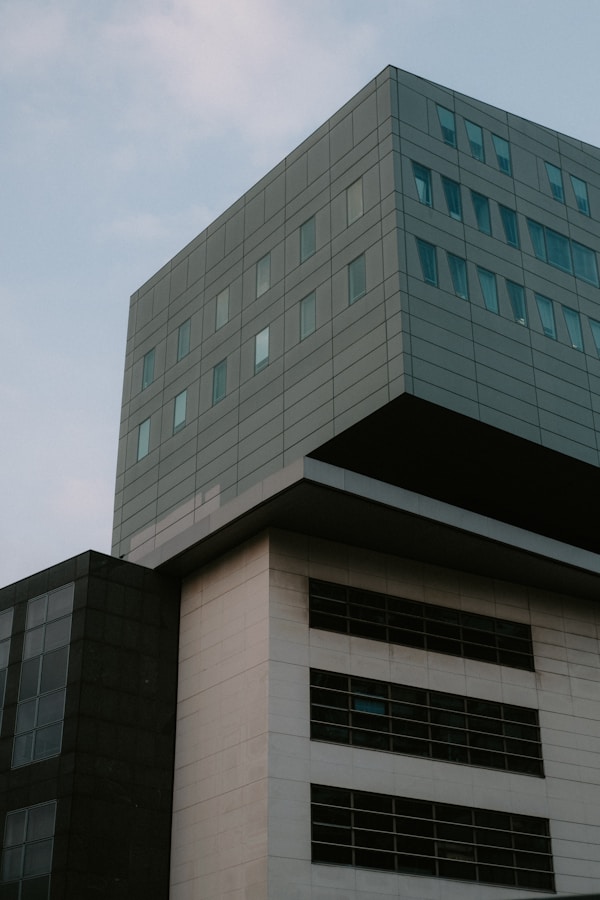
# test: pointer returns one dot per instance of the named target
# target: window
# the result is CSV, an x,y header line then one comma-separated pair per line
x,y
420,837
222,309
489,290
148,369
357,279
538,242
401,718
263,275
453,198
560,252
556,182
481,205
502,148
475,135
447,125
354,201
183,339
573,324
509,223
27,853
179,411
516,295
261,350
423,183
584,263
42,689
308,319
6,619
458,271
219,381
143,441
546,311
595,327
410,623
307,239
581,195
428,257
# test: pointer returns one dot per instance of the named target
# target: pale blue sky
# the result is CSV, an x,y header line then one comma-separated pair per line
x,y
128,125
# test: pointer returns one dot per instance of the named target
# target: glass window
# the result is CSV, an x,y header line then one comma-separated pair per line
x,y
584,263
263,275
423,182
222,309
428,257
475,135
354,201
509,223
502,148
556,182
143,441
261,349
308,242
219,381
357,279
453,198
536,233
546,311
595,326
148,369
581,195
489,290
27,855
516,295
183,339
573,324
481,205
308,321
179,411
558,249
447,124
458,271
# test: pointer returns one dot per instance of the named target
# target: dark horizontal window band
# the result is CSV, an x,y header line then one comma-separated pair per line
x,y
417,837
396,620
399,718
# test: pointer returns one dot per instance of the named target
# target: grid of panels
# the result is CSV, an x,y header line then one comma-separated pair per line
x,y
377,831
404,719
411,623
27,854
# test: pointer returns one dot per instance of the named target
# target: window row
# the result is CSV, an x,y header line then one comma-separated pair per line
x,y
580,191
398,834
399,718
380,617
6,621
27,855
563,253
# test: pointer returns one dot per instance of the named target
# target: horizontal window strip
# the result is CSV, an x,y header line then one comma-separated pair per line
x,y
411,623
398,834
400,718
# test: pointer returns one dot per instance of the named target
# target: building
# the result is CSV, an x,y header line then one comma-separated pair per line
x,y
360,419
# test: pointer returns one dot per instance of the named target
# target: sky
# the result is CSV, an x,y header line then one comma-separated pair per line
x,y
127,126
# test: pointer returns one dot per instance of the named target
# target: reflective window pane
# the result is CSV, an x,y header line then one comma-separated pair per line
x,y
307,239
308,322
51,708
184,335
354,201
148,369
179,411
12,863
6,619
428,258
54,670
481,205
453,198
573,327
47,741
516,295
26,713
584,263
261,349
489,290
30,675
423,183
219,381
38,858
556,182
263,275
22,749
36,611
57,633
143,443
60,602
558,249
33,643
595,328
502,148
357,279
458,271
536,233
222,309
509,223
581,195
447,124
14,830
546,311
40,821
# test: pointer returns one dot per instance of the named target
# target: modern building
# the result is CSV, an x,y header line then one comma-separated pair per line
x,y
360,432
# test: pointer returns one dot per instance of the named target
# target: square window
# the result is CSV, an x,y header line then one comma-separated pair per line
x,y
423,183
261,350
448,126
428,257
179,411
148,369
354,201
219,381
222,309
183,339
357,279
143,441
307,239
308,317
263,275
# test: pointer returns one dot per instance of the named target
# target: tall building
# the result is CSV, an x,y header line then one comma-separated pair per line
x,y
359,424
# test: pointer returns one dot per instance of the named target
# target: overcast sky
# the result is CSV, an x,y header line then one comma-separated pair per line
x,y
127,126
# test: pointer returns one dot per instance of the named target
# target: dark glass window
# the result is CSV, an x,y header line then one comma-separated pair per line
x,y
423,183
448,125
509,223
179,411
148,369
261,350
481,205
27,854
581,195
573,324
6,619
489,289
354,201
595,328
143,439
357,279
458,271
453,198
219,381
516,295
556,182
184,334
502,148
428,257
559,251
263,274
475,135
222,308
307,239
308,315
546,311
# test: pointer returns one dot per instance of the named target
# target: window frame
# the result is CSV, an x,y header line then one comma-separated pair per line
x,y
502,158
453,196
354,201
582,197
490,298
184,339
308,315
481,208
458,274
263,274
148,363
357,279
428,258
308,239
422,177
219,385
473,144
261,338
143,439
180,411
555,180
448,133
222,308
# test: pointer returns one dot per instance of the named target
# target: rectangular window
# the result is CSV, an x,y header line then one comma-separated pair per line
x,y
27,855
148,369
308,242
595,327
6,620
475,135
502,148
516,295
354,201
584,263
410,623
573,324
143,441
183,339
222,309
263,275
453,198
420,837
308,316
559,250
458,271
481,205
261,350
546,311
556,182
538,241
428,257
179,411
357,279
509,223
219,381
581,195
423,183
448,126
400,718
489,290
